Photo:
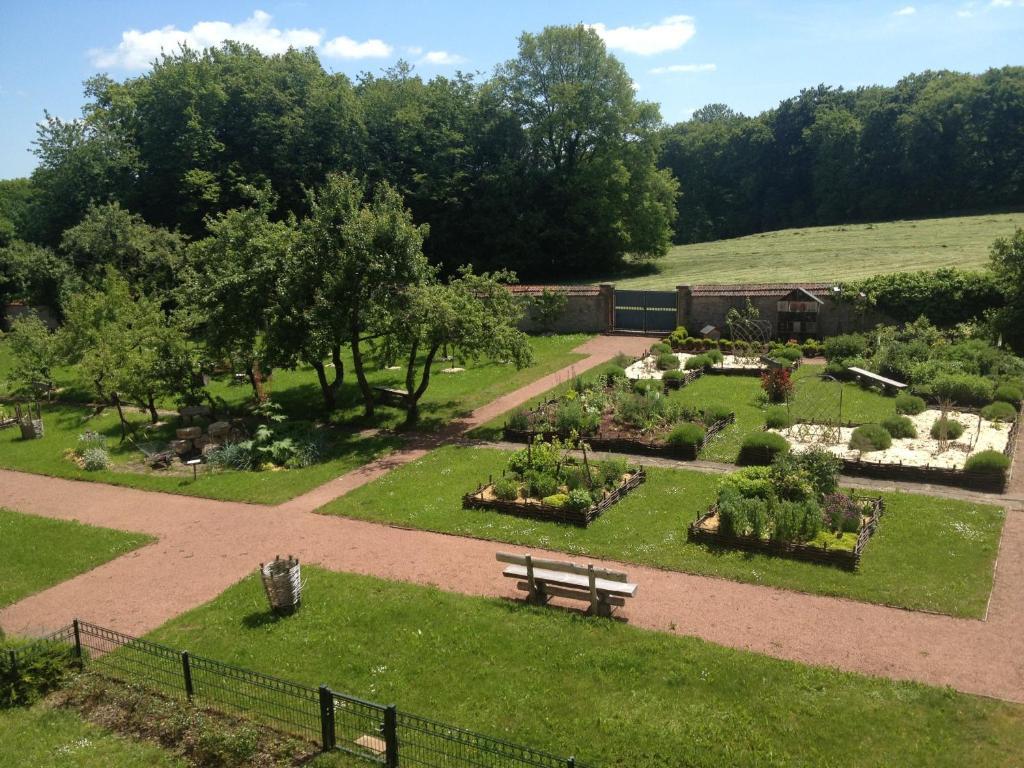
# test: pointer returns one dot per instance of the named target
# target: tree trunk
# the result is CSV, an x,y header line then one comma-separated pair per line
x,y
413,412
120,415
357,363
256,379
154,417
339,367
325,386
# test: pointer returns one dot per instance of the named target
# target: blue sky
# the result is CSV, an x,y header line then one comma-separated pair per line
x,y
680,54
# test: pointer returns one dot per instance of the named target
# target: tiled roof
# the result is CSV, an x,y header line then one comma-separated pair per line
x,y
759,289
570,290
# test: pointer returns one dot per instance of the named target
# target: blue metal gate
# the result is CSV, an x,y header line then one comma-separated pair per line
x,y
645,311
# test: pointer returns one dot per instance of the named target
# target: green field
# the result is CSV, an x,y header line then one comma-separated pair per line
x,y
831,253
611,694
928,554
37,552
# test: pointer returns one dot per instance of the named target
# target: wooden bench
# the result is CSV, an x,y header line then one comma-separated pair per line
x,y
543,579
391,396
887,384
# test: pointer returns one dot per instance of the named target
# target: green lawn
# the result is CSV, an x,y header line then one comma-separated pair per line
x,y
37,552
449,396
612,694
928,554
831,253
41,737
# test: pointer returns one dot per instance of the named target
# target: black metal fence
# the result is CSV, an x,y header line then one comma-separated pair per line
x,y
373,732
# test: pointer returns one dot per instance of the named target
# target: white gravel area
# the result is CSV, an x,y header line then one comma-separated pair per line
x,y
647,368
921,451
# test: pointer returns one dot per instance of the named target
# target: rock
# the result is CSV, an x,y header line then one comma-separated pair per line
x,y
181,447
219,429
189,433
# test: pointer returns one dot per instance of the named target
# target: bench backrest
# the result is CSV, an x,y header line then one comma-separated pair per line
x,y
562,566
876,377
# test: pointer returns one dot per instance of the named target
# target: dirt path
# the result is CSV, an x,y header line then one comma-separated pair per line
x,y
205,546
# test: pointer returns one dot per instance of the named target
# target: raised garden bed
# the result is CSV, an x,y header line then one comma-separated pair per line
x,y
705,530
534,509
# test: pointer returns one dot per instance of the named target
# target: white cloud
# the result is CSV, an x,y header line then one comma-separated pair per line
x,y
667,35
964,14
672,68
137,48
346,48
1002,3
441,58
907,10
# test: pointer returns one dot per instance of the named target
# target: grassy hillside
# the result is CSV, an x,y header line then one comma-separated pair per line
x,y
832,253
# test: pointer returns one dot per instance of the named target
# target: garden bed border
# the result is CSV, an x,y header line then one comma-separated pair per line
x,y
850,560
549,513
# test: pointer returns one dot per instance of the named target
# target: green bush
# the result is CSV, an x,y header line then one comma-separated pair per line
x,y
90,439
845,346
796,520
643,386
667,362
611,472
951,428
715,356
999,411
988,463
541,484
686,435
95,459
899,427
660,348
615,373
908,404
506,489
738,516
870,437
751,482
771,444
677,339
696,362
792,354
41,667
518,420
778,418
713,413
1008,393
571,415
963,388
672,376
556,500
811,348
579,499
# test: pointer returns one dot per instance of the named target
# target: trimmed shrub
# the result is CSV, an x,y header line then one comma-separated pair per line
x,y
796,520
696,362
988,463
751,482
677,339
777,384
615,373
611,472
791,354
963,388
870,437
739,516
910,405
645,386
845,346
999,411
778,418
686,435
667,362
762,447
556,500
95,459
506,489
951,428
541,484
899,427
1008,393
713,413
670,377
715,356
660,348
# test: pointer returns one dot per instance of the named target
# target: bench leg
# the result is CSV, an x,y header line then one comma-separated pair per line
x,y
538,597
602,608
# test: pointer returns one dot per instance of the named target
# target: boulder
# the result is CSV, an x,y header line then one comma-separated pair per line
x,y
189,433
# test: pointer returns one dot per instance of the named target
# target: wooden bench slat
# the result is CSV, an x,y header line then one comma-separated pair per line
x,y
545,576
557,591
876,377
561,566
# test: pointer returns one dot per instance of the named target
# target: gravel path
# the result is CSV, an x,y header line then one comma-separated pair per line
x,y
205,546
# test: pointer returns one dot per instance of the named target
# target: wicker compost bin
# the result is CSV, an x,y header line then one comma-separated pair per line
x,y
282,580
29,421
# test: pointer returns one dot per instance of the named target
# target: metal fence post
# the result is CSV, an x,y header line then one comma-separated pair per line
x,y
326,718
391,737
78,640
186,670
570,763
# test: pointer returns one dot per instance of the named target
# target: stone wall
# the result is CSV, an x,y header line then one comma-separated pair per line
x,y
588,308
